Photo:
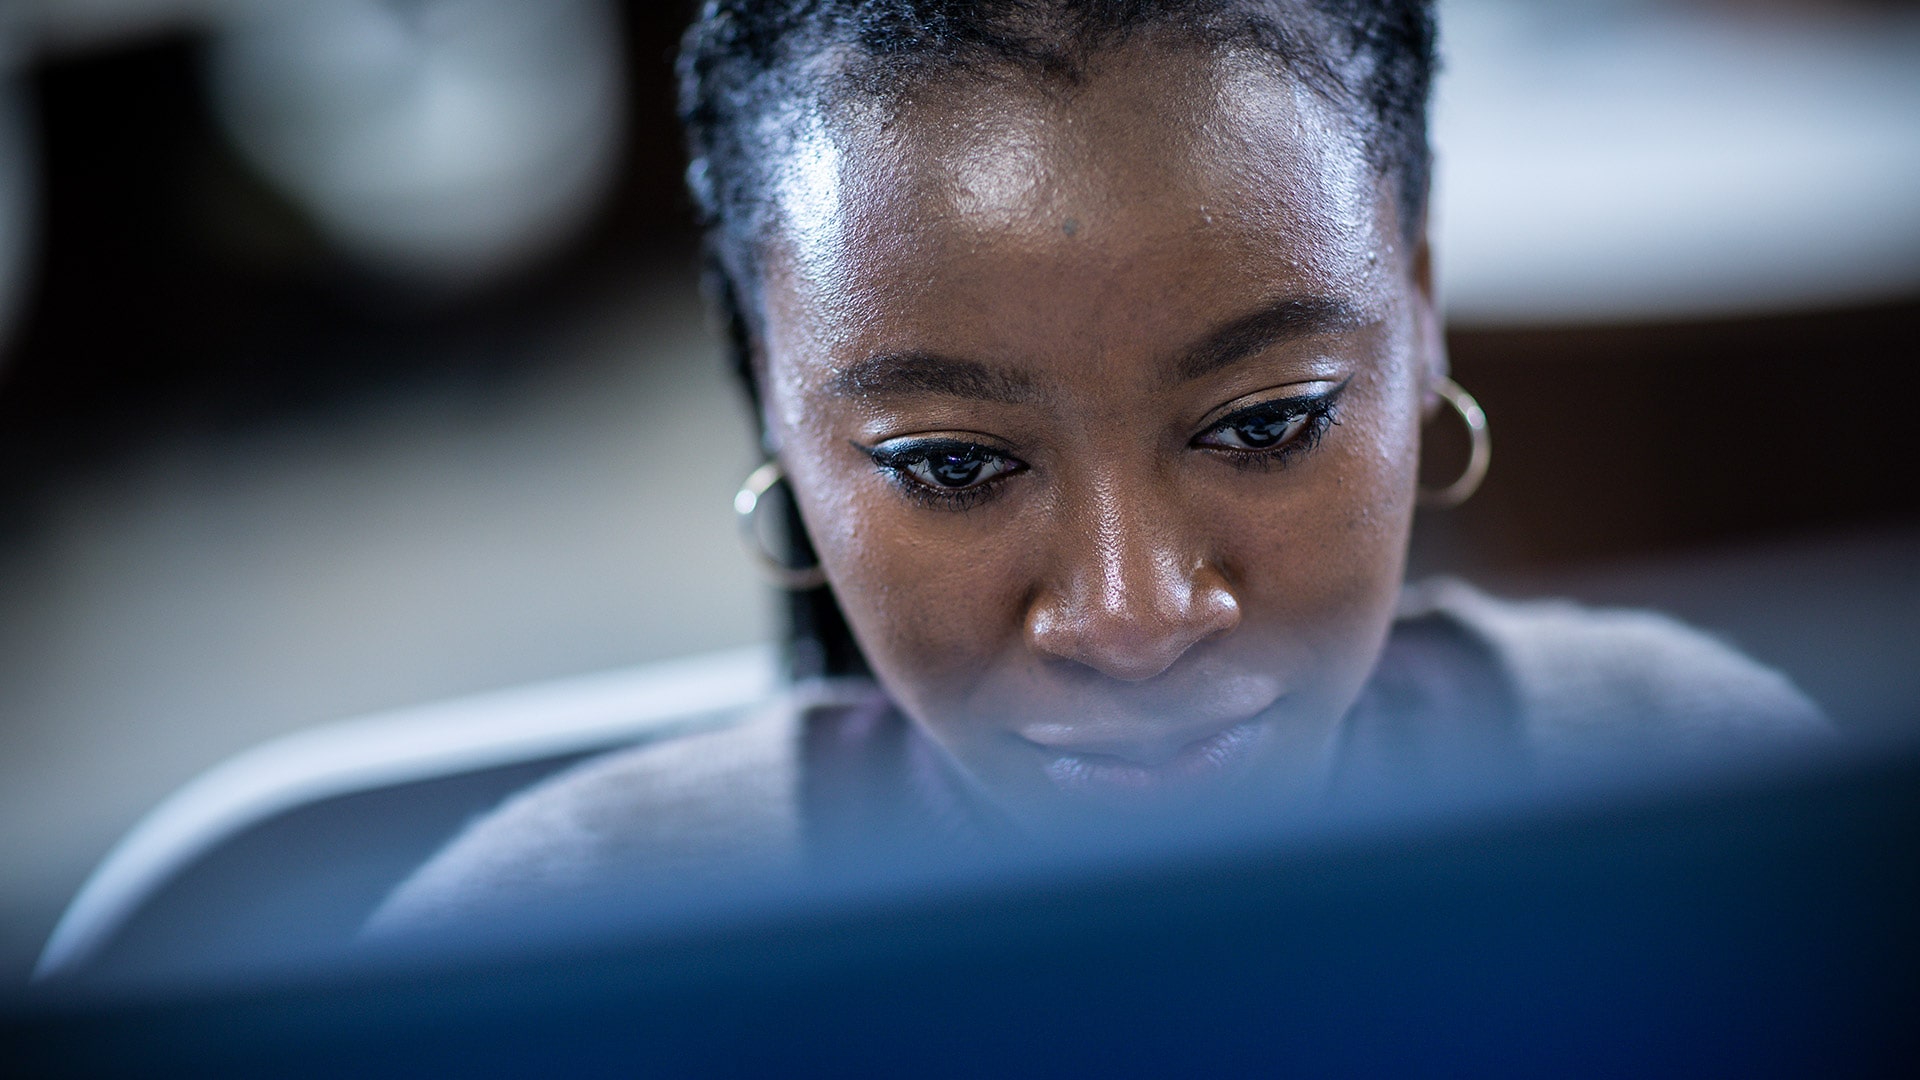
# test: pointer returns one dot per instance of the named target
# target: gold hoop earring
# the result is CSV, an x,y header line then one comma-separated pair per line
x,y
1478,458
746,507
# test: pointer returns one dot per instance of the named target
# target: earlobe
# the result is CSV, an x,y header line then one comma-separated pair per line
x,y
1430,338
761,396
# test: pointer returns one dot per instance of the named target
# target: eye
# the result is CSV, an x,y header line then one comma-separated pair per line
x,y
956,470
943,468
1273,432
1257,430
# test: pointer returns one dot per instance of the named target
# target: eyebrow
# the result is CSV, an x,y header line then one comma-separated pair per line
x,y
906,373
1286,319
903,374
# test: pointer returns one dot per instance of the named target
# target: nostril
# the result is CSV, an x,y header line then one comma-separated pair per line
x,y
1138,665
1116,652
1130,643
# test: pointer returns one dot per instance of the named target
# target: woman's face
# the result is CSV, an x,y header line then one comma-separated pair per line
x,y
1101,404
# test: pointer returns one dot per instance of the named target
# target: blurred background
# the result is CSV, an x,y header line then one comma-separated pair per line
x,y
351,357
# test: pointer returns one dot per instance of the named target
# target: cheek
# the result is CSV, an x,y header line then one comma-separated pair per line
x,y
933,598
1318,562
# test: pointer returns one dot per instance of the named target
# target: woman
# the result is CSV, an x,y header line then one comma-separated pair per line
x,y
1093,342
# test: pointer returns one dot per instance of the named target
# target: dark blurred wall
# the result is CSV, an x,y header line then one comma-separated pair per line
x,y
1617,441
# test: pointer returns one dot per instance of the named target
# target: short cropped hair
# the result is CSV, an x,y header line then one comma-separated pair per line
x,y
745,61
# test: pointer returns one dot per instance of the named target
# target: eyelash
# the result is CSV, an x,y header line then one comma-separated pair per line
x,y
1319,412
898,461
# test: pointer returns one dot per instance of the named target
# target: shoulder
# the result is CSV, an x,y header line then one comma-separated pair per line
x,y
1603,682
712,805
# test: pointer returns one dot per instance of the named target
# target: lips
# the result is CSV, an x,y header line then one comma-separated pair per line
x,y
1196,764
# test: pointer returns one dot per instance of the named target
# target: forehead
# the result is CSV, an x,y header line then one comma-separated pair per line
x,y
1172,174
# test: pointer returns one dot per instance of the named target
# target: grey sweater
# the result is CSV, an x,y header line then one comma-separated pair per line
x,y
1578,687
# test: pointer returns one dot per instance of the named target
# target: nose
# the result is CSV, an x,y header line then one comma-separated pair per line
x,y
1132,589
